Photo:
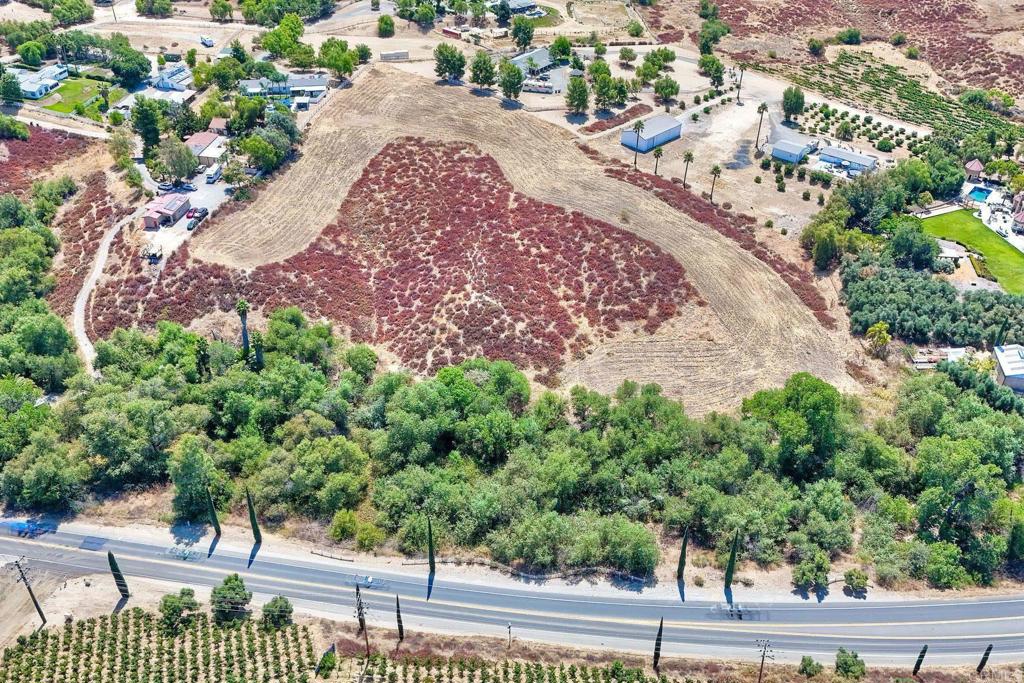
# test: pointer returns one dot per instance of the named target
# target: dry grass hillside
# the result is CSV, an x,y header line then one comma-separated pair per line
x,y
744,330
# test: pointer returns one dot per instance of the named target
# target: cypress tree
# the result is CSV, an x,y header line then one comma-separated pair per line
x,y
430,545
920,659
212,511
122,585
682,555
398,615
731,566
257,536
657,643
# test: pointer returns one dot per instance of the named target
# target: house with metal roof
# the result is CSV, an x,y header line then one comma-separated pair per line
x,y
848,160
533,61
657,131
1010,366
313,87
521,6
791,151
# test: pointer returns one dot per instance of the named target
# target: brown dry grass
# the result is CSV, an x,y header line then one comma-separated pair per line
x,y
385,641
754,332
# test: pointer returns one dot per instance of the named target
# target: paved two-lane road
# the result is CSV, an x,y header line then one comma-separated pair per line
x,y
957,631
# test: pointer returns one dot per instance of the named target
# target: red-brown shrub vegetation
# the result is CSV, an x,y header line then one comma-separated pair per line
x,y
622,117
434,254
26,158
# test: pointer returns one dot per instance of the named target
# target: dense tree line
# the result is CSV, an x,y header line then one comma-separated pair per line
x,y
920,308
129,65
33,341
312,429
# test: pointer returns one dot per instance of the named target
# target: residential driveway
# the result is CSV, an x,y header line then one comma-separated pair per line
x,y
210,196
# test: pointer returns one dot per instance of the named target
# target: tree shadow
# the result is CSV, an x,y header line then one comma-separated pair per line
x,y
120,604
186,533
511,105
430,584
856,595
481,92
213,546
576,119
252,555
681,587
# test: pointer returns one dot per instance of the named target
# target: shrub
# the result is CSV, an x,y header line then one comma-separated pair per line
x,y
809,667
766,163
757,179
369,536
807,195
849,664
849,36
816,46
780,186
913,52
885,145
343,526
856,580
12,129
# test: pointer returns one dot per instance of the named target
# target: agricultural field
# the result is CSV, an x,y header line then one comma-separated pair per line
x,y
968,42
706,317
860,78
1002,259
132,646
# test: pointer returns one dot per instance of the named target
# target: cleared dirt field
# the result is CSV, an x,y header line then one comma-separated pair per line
x,y
753,332
968,42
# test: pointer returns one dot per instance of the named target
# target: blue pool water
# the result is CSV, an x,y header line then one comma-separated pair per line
x,y
979,194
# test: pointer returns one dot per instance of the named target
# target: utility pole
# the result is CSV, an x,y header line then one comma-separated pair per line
x,y
31,594
361,616
765,646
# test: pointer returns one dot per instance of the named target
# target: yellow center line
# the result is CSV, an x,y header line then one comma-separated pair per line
x,y
702,625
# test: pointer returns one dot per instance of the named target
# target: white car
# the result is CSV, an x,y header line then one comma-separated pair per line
x,y
206,41
368,582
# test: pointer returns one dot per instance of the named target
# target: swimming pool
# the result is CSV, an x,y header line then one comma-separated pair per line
x,y
979,194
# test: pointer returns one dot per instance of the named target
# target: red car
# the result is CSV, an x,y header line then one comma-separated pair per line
x,y
191,213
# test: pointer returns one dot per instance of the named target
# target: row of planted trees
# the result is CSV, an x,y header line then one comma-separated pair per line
x,y
381,669
131,647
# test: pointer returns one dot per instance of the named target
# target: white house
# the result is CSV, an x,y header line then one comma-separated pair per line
x,y
38,84
175,77
1010,366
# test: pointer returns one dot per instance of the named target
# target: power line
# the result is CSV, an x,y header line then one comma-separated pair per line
x,y
28,586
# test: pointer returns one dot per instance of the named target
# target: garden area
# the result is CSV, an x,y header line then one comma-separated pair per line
x,y
1003,260
83,96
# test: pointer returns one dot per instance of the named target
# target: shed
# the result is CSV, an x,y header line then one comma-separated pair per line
x,y
1010,366
974,167
791,152
853,161
657,131
394,56
218,125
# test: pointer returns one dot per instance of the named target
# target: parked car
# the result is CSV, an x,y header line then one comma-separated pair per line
x,y
200,169
202,212
191,213
165,187
187,187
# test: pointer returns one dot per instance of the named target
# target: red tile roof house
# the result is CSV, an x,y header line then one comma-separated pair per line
x,y
167,208
218,125
974,167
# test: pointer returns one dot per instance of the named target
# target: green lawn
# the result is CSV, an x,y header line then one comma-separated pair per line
x,y
75,90
1004,260
551,18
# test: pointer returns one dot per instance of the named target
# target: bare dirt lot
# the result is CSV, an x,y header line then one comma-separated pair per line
x,y
752,333
976,42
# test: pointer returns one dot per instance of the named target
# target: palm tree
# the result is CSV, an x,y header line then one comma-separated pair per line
x,y
638,128
716,171
761,109
242,308
658,151
688,158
